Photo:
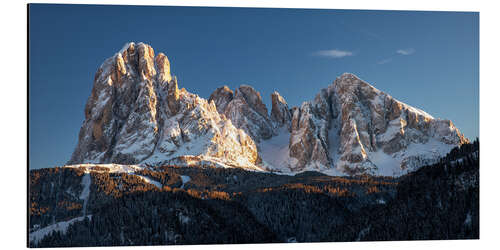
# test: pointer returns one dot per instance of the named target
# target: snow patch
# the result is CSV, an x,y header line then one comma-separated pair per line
x,y
414,156
334,142
468,219
362,233
184,219
185,179
85,192
150,181
61,227
418,111
275,153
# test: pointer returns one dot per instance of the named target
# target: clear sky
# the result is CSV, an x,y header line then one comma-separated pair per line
x,y
429,60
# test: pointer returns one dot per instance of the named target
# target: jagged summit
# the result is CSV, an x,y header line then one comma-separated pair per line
x,y
137,114
221,97
280,112
245,108
349,84
355,128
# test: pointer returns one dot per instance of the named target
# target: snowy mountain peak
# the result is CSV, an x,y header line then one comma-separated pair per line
x,y
137,114
352,127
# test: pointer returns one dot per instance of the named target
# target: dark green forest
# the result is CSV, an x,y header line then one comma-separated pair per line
x,y
439,201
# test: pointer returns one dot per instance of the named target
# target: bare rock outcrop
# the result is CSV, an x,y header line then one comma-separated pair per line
x,y
308,138
245,109
280,113
221,97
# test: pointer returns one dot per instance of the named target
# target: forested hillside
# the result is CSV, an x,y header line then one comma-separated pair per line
x,y
191,205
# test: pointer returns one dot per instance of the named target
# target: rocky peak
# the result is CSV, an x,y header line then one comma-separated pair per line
x,y
280,113
173,96
136,60
221,97
354,128
245,109
348,85
163,66
253,98
145,55
137,114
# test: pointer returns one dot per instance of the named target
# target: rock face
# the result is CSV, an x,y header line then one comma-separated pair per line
x,y
352,127
245,109
280,113
136,113
222,96
308,138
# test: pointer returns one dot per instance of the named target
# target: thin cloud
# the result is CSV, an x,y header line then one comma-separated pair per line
x,y
405,52
334,53
399,52
388,60
370,35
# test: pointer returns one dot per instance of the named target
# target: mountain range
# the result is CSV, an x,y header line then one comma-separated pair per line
x,y
136,114
158,165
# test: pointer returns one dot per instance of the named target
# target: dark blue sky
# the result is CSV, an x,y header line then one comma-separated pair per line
x,y
429,60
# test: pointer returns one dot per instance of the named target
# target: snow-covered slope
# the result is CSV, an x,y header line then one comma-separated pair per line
x,y
136,114
61,227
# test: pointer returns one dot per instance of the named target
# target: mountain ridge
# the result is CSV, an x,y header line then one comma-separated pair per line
x,y
137,114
